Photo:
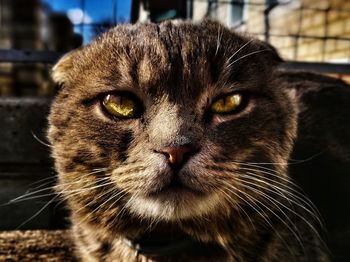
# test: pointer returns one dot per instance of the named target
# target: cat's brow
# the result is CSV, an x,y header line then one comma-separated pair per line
x,y
232,86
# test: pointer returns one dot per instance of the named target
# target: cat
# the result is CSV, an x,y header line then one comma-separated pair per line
x,y
171,142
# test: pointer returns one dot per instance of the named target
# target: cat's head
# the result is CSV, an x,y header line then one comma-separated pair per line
x,y
168,122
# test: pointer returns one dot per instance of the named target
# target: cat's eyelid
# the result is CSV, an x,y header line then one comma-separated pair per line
x,y
98,94
95,90
230,88
252,89
227,92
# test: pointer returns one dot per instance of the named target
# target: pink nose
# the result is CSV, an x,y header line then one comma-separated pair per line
x,y
177,155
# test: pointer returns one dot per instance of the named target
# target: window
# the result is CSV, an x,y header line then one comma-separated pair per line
x,y
236,12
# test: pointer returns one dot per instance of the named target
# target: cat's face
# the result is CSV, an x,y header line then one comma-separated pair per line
x,y
165,122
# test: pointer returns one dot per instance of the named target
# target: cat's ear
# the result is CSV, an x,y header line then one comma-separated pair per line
x,y
60,71
272,51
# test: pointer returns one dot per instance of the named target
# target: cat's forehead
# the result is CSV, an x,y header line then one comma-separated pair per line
x,y
167,57
150,56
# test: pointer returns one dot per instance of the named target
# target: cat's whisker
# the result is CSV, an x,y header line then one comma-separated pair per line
x,y
53,178
41,186
31,196
116,201
310,225
289,209
153,223
84,189
218,40
37,213
244,56
23,197
275,174
123,209
30,193
292,161
83,179
257,201
288,163
273,201
261,163
282,195
293,188
44,185
132,169
228,198
121,193
270,188
295,198
258,166
253,204
237,51
83,185
68,196
39,140
278,176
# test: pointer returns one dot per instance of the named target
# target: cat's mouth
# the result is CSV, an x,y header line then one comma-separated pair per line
x,y
175,188
173,196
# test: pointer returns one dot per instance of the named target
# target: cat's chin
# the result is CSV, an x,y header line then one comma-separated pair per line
x,y
174,204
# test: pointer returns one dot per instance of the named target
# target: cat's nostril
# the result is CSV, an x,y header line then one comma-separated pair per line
x,y
177,155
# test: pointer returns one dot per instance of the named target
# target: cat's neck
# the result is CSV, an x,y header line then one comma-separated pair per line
x,y
168,242
192,241
170,246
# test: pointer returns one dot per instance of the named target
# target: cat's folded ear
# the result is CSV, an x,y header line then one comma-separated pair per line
x,y
272,51
60,71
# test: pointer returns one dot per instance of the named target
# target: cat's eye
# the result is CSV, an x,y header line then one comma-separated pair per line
x,y
227,104
120,105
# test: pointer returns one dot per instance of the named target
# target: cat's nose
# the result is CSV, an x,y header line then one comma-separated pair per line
x,y
178,155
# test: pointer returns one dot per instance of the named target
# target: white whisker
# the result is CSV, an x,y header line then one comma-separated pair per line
x,y
237,51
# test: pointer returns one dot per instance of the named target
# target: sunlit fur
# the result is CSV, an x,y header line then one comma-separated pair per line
x,y
112,176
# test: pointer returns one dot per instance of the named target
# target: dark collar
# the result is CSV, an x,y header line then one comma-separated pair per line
x,y
169,247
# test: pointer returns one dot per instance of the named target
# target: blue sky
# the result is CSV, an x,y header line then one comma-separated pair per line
x,y
96,11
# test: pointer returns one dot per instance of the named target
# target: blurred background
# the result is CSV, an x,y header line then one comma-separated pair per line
x,y
309,35
34,33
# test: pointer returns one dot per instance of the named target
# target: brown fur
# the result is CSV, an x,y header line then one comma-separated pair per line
x,y
109,168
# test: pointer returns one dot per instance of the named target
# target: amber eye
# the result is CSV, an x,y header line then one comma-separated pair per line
x,y
120,106
227,104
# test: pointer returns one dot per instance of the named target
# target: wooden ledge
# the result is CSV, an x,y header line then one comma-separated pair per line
x,y
36,245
